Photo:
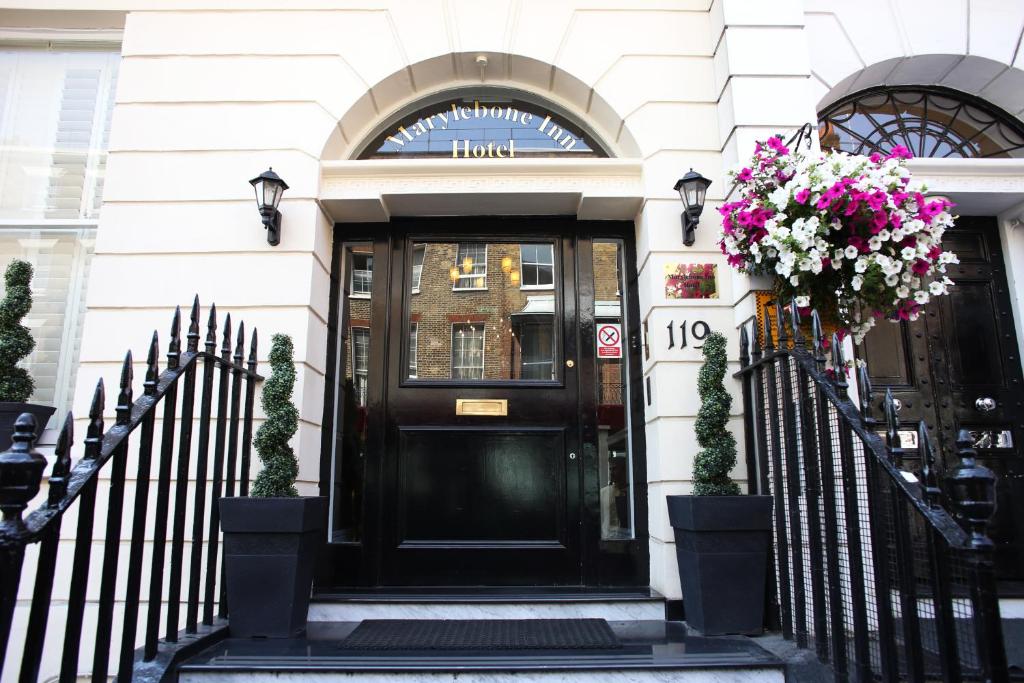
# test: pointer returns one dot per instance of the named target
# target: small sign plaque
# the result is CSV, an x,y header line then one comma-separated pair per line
x,y
609,340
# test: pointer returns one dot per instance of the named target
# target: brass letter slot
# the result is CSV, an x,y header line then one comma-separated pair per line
x,y
490,407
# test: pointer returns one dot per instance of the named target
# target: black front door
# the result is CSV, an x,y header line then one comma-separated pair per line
x,y
957,367
482,466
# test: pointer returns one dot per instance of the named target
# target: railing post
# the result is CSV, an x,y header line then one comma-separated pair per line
x,y
973,491
21,472
789,428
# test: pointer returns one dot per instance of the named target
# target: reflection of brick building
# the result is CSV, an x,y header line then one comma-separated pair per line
x,y
495,303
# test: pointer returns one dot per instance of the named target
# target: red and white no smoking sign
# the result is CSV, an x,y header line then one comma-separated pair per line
x,y
609,341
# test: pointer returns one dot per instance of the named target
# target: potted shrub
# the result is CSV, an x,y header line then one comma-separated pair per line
x,y
272,537
16,342
722,537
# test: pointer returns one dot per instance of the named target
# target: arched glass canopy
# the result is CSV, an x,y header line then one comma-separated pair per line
x,y
930,122
482,126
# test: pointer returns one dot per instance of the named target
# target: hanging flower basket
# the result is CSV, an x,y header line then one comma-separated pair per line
x,y
852,236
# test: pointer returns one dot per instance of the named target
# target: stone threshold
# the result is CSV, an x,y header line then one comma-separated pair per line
x,y
652,650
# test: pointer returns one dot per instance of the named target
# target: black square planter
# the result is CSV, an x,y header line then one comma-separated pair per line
x,y
270,548
722,545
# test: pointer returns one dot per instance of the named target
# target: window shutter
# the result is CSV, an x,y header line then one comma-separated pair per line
x,y
70,163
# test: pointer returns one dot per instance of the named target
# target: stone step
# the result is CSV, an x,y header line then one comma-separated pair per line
x,y
612,606
655,651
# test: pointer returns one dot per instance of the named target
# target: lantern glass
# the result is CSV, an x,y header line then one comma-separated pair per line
x,y
692,188
271,193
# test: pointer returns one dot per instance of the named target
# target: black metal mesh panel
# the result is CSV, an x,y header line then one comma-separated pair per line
x,y
887,583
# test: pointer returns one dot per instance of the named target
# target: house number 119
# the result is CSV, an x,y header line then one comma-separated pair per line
x,y
699,330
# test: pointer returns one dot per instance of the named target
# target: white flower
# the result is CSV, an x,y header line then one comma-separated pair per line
x,y
856,282
903,292
795,280
892,280
921,297
803,301
937,288
861,265
908,253
851,252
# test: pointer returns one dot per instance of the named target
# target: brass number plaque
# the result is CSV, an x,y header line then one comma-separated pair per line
x,y
490,407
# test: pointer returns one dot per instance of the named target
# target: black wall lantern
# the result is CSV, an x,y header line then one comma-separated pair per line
x,y
269,188
692,188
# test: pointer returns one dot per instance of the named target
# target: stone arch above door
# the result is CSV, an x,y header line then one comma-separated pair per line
x,y
403,90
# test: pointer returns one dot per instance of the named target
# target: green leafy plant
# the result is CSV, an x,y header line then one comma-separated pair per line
x,y
718,446
16,341
277,478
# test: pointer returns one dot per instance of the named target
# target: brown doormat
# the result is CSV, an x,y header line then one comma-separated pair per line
x,y
482,634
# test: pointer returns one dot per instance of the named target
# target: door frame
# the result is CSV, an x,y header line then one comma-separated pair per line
x,y
618,563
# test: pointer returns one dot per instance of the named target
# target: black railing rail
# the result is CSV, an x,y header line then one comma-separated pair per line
x,y
77,488
870,569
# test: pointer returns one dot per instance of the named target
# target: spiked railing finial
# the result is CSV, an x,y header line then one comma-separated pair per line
x,y
152,367
817,336
211,330
780,325
252,351
794,322
239,355
225,347
769,342
839,364
864,387
744,346
193,327
124,398
94,433
929,478
174,345
61,472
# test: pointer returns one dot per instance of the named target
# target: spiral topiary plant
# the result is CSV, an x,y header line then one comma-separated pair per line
x,y
16,341
277,478
718,446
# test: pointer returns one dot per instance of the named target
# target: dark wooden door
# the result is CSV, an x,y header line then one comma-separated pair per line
x,y
958,368
481,472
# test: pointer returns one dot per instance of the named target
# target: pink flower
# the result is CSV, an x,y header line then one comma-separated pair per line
x,y
851,208
745,175
900,152
878,222
802,195
920,267
859,242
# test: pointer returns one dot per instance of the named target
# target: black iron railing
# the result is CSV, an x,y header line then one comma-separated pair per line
x,y
111,646
871,571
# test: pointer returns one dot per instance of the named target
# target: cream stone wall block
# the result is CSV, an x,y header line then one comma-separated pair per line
x,y
481,26
664,167
664,568
301,126
759,13
750,97
677,448
205,176
835,57
638,79
676,384
763,51
636,32
241,79
211,227
659,227
238,280
306,444
873,18
669,125
922,36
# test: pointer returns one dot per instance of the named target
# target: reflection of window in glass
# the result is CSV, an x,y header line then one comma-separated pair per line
x,y
417,267
360,361
61,259
536,348
413,342
613,420
362,274
471,262
467,351
538,262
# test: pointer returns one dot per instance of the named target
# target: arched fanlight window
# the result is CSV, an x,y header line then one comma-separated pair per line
x,y
930,122
486,123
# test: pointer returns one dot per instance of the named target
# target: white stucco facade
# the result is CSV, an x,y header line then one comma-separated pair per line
x,y
211,92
